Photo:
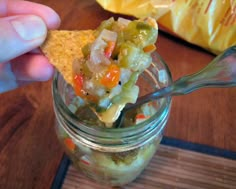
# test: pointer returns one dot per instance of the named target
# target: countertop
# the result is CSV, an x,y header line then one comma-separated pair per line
x,y
29,151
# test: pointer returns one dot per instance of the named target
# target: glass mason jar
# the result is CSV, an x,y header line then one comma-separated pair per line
x,y
112,156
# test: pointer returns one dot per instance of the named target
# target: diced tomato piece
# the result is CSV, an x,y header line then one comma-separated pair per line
x,y
149,48
140,116
92,98
111,77
69,144
85,160
109,48
78,84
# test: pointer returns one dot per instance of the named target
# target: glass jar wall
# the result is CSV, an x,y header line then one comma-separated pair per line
x,y
113,156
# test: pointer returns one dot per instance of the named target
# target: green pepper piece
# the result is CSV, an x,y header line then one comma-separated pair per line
x,y
125,157
133,79
140,33
86,50
106,24
128,55
133,57
128,95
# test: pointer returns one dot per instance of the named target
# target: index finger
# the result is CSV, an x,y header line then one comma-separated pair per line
x,y
16,7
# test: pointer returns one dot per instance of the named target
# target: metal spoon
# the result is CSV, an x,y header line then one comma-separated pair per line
x,y
221,72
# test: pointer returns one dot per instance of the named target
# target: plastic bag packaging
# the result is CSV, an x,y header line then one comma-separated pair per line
x,y
210,24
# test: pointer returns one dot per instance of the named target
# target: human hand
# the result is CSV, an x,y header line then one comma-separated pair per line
x,y
23,27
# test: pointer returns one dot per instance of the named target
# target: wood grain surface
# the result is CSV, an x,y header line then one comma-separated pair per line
x,y
170,168
29,151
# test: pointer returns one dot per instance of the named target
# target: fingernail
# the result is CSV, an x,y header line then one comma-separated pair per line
x,y
29,27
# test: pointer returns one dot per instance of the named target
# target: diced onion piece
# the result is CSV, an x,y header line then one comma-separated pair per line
x,y
95,68
99,43
115,91
100,92
72,108
108,35
125,75
104,102
97,57
162,75
79,101
148,109
88,85
123,21
97,49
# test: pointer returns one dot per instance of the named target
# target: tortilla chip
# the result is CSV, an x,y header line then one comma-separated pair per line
x,y
62,48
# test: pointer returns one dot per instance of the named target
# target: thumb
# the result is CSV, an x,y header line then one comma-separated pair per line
x,y
20,34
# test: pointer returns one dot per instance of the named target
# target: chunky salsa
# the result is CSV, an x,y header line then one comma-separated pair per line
x,y
105,78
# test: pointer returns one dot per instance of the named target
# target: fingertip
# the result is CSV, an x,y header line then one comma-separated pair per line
x,y
42,70
32,68
29,27
54,21
20,34
50,16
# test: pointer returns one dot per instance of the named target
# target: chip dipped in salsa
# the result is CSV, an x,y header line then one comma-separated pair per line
x,y
103,65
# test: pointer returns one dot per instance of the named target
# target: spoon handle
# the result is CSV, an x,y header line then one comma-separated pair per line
x,y
221,72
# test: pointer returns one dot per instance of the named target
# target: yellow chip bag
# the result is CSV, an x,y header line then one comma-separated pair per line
x,y
62,48
210,24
